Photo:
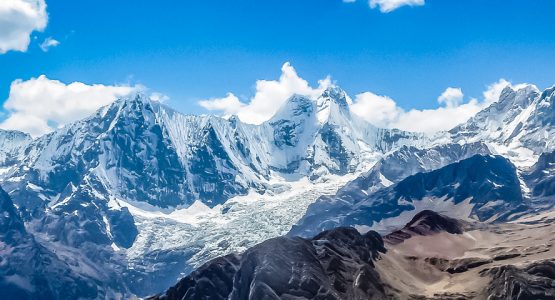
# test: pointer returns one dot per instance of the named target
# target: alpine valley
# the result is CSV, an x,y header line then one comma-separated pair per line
x,y
140,200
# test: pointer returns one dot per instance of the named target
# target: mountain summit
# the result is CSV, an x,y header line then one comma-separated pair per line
x,y
521,120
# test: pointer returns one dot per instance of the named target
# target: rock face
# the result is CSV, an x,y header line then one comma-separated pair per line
x,y
541,177
336,264
522,118
426,222
423,260
28,270
482,187
12,144
535,281
389,170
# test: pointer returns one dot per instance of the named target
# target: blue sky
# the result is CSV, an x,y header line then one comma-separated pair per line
x,y
193,50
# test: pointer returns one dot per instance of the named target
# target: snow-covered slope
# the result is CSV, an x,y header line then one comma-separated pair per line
x,y
391,169
320,137
141,151
519,125
12,144
484,188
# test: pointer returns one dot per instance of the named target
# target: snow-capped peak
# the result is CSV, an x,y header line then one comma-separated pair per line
x,y
332,105
519,125
12,144
521,95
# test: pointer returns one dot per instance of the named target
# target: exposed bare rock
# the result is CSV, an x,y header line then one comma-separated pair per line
x,y
336,264
426,222
535,282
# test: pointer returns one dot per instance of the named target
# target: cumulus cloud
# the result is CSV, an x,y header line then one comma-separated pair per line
x,y
391,5
382,111
48,43
269,96
18,19
40,105
432,120
387,6
379,110
229,105
155,96
451,97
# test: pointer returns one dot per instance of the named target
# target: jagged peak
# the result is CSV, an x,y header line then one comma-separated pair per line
x,y
333,105
513,99
333,94
524,88
522,94
11,135
133,99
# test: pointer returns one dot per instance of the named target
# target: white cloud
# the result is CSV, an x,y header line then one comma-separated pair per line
x,y
451,97
391,5
40,105
229,105
156,96
18,19
48,43
387,6
383,112
269,96
441,118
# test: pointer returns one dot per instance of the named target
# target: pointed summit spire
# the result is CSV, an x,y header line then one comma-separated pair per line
x,y
333,94
333,105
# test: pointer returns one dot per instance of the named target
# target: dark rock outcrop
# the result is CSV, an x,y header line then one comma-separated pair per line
x,y
534,282
336,264
426,222
391,169
489,184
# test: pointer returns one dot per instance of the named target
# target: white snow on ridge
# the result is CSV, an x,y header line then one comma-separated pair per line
x,y
192,215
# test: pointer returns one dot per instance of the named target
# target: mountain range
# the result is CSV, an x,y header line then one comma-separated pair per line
x,y
137,195
431,257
